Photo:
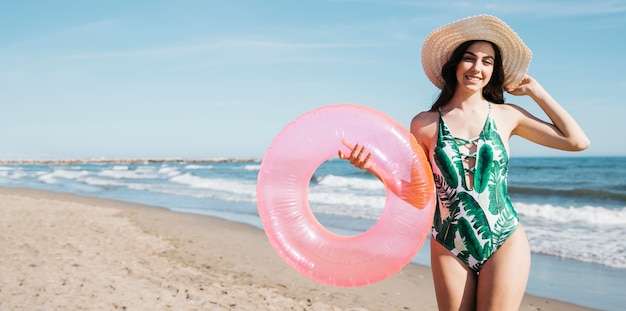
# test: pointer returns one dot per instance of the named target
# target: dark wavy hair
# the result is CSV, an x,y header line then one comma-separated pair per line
x,y
493,91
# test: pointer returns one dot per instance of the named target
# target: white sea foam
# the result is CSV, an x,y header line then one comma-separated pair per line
x,y
13,173
119,174
103,182
168,171
18,174
252,167
591,234
349,182
6,171
145,169
232,190
579,243
347,204
347,196
198,167
588,214
51,178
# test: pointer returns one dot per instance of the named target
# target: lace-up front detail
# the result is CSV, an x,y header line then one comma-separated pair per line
x,y
465,149
469,144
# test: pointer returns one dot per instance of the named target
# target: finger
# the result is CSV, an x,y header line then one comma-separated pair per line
x,y
340,154
359,151
347,144
350,147
366,161
355,152
363,156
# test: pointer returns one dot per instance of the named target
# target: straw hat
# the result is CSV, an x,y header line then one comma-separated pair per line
x,y
440,44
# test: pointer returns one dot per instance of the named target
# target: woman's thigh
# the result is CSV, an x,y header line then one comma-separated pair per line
x,y
455,282
502,280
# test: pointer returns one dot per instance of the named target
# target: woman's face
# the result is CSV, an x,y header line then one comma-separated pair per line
x,y
476,66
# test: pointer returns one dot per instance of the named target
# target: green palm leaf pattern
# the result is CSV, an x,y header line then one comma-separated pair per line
x,y
504,226
475,228
443,161
448,156
449,201
497,191
483,168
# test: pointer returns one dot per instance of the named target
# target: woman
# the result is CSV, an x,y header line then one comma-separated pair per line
x,y
480,256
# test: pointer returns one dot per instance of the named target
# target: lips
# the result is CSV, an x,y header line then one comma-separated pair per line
x,y
473,78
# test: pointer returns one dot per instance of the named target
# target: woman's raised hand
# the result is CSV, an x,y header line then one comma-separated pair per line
x,y
527,86
359,157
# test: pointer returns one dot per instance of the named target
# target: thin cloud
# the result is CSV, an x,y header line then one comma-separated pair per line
x,y
86,29
583,8
534,8
247,45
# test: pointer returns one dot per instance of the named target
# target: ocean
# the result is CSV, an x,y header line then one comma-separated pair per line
x,y
573,208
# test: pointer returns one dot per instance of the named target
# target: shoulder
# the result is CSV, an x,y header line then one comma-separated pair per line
x,y
425,118
425,123
508,112
424,128
506,107
508,117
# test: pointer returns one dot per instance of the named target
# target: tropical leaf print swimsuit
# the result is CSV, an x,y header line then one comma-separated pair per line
x,y
472,223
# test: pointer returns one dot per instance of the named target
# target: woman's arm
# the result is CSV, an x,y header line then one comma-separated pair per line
x,y
563,133
409,189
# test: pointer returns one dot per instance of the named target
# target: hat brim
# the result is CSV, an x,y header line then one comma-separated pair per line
x,y
441,42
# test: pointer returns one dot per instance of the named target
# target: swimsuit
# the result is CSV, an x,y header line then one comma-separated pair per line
x,y
472,223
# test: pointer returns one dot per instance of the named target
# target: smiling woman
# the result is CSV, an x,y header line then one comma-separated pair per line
x,y
479,252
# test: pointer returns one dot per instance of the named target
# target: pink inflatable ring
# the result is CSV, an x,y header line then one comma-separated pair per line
x,y
294,232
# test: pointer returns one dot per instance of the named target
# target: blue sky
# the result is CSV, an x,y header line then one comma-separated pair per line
x,y
204,79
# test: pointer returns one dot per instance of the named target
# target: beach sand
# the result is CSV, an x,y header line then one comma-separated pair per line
x,y
67,252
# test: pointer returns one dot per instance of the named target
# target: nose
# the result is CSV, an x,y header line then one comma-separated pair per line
x,y
476,66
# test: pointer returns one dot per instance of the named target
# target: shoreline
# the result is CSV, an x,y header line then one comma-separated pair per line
x,y
101,253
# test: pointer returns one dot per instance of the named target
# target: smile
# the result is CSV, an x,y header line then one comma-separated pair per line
x,y
472,78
